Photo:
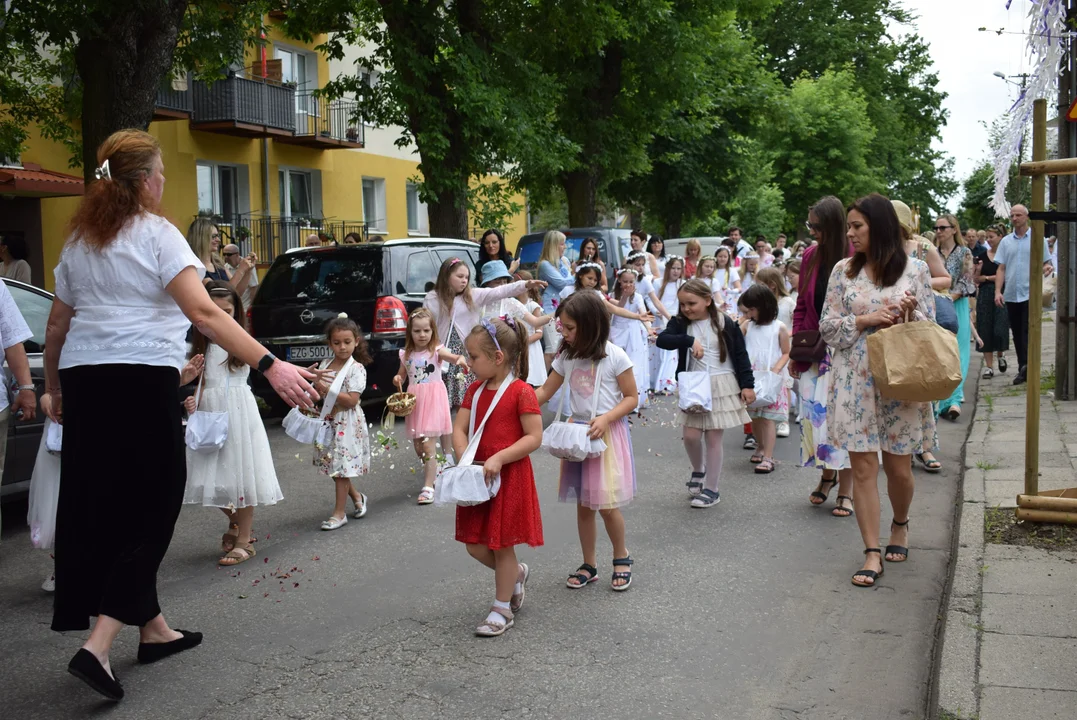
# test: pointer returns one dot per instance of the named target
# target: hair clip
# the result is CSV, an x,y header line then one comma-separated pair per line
x,y
509,320
103,173
492,331
453,261
342,315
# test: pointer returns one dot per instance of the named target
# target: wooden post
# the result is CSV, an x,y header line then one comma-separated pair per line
x,y
1035,306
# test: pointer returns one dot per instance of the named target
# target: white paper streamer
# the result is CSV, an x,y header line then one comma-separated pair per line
x,y
1047,34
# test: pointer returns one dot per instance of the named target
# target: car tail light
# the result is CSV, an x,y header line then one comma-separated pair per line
x,y
390,315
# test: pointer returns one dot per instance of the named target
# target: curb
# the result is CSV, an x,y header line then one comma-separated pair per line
x,y
954,693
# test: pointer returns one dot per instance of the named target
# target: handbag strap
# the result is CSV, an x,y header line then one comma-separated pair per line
x,y
202,382
334,389
594,395
476,435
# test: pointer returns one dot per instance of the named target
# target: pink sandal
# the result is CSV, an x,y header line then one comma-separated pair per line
x,y
765,467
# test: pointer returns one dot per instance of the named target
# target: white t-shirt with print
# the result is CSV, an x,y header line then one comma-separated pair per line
x,y
580,376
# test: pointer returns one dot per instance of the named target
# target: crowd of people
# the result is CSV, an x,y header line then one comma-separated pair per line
x,y
717,328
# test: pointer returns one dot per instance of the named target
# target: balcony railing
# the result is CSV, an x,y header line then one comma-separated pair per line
x,y
324,123
173,103
243,106
269,236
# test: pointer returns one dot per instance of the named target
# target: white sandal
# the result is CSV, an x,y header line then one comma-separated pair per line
x,y
426,495
517,600
333,523
360,507
493,628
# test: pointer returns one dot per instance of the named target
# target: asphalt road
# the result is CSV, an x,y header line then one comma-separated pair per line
x,y
743,611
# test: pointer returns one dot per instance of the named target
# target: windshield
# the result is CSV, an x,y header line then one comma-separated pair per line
x,y
35,309
530,252
341,276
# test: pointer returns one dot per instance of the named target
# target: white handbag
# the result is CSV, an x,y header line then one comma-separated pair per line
x,y
314,431
768,386
54,438
570,441
206,431
694,386
465,482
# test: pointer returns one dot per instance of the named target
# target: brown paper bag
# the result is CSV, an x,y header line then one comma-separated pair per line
x,y
914,361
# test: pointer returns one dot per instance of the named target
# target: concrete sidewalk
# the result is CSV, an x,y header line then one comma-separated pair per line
x,y
1010,646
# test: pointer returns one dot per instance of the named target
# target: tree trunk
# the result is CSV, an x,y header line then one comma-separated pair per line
x,y
581,189
448,214
121,69
673,227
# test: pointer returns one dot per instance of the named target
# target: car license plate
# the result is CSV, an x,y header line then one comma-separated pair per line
x,y
301,353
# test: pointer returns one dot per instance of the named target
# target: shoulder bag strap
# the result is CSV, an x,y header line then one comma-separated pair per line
x,y
202,383
476,435
334,389
598,377
569,364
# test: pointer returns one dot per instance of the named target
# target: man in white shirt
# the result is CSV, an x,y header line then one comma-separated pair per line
x,y
244,273
1012,282
741,246
13,331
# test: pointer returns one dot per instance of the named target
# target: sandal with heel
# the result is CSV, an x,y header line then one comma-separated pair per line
x,y
840,510
870,574
819,494
900,550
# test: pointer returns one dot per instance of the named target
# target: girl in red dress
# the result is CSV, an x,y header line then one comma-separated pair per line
x,y
498,352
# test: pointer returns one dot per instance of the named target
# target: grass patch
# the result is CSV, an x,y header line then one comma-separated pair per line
x,y
990,400
1001,527
987,465
1047,382
947,715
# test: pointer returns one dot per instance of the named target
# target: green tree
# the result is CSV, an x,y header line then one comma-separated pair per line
x,y
820,143
461,93
627,71
892,70
83,69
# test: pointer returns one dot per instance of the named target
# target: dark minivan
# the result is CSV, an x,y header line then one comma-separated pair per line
x,y
614,244
376,284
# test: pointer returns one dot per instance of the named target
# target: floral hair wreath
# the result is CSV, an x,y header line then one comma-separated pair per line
x,y
634,256
671,256
103,173
588,265
705,258
635,273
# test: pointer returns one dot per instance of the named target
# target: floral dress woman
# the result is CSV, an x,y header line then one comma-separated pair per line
x,y
859,419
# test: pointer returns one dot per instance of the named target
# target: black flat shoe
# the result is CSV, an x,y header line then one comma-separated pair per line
x,y
89,670
152,652
1002,365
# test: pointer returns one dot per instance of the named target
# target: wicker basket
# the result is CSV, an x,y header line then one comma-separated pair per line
x,y
401,404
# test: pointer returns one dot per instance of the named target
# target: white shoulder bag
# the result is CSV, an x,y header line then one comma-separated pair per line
x,y
570,441
465,483
207,431
300,426
694,387
768,386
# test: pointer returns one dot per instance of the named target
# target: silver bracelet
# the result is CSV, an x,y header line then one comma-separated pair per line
x,y
27,387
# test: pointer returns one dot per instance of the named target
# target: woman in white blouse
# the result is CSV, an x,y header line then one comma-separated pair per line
x,y
127,289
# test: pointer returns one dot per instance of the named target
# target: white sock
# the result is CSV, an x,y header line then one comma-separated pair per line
x,y
498,617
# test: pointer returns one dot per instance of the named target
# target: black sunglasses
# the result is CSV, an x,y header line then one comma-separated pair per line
x,y
943,227
230,254
813,226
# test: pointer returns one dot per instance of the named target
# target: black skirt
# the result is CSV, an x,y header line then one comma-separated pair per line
x,y
992,321
123,471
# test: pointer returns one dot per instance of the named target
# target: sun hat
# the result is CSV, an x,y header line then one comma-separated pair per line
x,y
904,214
493,270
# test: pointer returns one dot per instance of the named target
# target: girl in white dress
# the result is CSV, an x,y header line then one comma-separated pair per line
x,y
240,475
532,302
631,335
774,280
727,280
348,454
638,262
664,362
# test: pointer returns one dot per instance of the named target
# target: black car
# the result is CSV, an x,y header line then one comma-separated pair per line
x,y
23,439
614,245
376,284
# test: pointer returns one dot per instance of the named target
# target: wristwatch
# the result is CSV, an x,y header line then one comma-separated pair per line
x,y
266,362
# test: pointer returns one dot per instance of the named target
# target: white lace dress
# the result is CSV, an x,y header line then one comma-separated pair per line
x,y
240,474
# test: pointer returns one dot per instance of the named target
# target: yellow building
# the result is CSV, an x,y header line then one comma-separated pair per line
x,y
271,162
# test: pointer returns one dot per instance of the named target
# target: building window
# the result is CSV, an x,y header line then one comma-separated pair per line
x,y
299,68
418,220
218,190
295,194
12,161
374,205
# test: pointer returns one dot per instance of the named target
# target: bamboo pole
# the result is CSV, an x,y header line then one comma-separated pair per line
x,y
1047,516
1062,166
1035,306
1042,502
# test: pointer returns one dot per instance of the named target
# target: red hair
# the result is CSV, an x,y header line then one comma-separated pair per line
x,y
110,202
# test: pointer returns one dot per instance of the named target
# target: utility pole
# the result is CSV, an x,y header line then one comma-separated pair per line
x,y
1066,245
